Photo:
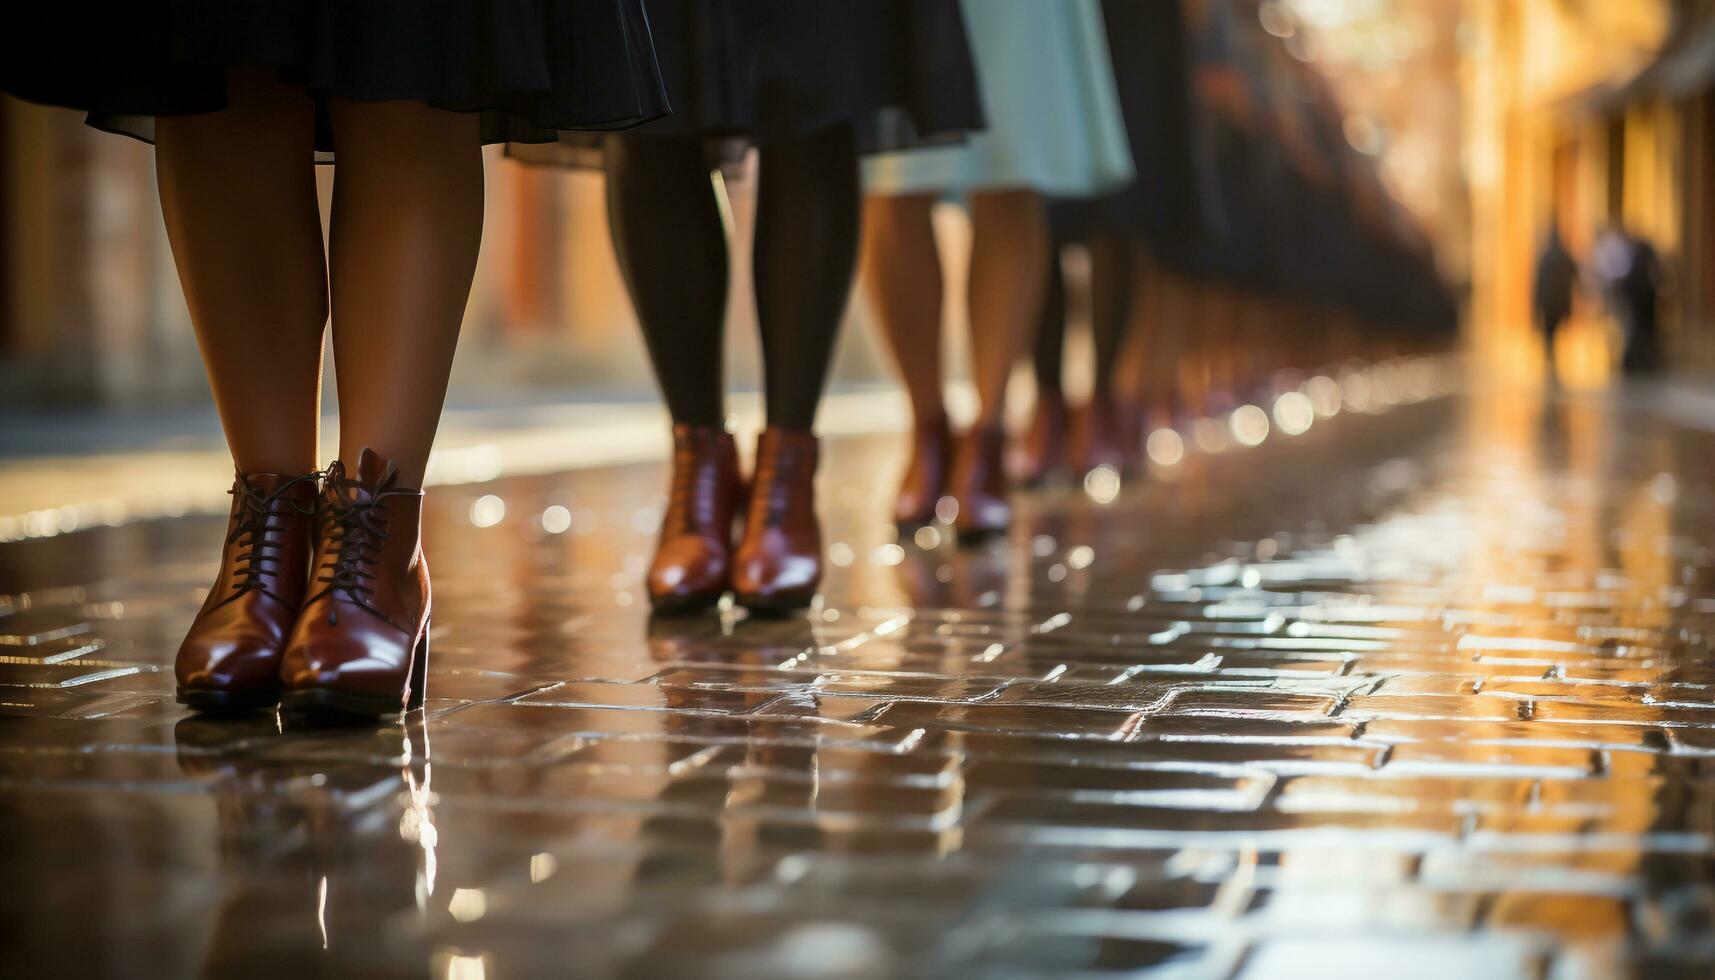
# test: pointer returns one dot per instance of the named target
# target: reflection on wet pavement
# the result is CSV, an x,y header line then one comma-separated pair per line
x,y
1416,694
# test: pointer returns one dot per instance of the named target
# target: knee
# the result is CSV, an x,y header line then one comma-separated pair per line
x,y
890,216
402,123
1013,212
656,163
826,152
1010,201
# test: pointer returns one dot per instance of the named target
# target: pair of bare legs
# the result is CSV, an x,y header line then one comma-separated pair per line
x,y
902,277
1161,345
238,193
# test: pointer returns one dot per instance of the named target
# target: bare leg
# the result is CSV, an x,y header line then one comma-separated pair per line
x,y
1164,333
238,192
407,221
902,277
1143,314
1009,269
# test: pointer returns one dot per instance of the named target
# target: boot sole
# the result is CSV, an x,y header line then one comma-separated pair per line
x,y
776,607
326,705
683,605
336,706
216,702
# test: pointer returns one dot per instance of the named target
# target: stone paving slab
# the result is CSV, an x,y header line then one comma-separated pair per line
x,y
1418,693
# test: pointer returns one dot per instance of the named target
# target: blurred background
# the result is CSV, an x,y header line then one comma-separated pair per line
x,y
1488,120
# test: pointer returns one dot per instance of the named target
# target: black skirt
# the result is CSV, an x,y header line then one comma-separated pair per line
x,y
754,72
530,67
1149,49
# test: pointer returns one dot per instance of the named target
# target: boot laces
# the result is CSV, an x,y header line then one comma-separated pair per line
x,y
355,529
250,530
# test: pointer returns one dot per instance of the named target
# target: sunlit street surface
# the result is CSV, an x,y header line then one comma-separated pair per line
x,y
1419,692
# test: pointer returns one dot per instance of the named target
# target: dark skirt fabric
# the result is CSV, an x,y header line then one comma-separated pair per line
x,y
745,73
1149,48
531,68
1233,235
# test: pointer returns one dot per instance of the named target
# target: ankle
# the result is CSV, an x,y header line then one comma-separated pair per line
x,y
249,466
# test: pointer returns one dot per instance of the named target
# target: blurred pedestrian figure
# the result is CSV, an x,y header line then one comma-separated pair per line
x,y
1054,128
811,85
1639,290
1629,274
1551,293
322,595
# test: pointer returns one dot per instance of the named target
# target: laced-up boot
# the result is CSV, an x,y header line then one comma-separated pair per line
x,y
230,659
361,644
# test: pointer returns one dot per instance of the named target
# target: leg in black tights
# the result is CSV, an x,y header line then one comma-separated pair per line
x,y
1110,304
805,255
1110,300
672,250
1049,360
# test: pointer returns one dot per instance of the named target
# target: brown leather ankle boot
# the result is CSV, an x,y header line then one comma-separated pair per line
x,y
693,557
778,563
925,480
230,659
979,484
1044,451
361,644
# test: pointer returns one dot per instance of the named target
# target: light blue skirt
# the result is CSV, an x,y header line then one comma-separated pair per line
x,y
1054,122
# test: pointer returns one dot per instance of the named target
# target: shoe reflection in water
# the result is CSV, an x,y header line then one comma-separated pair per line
x,y
798,788
325,841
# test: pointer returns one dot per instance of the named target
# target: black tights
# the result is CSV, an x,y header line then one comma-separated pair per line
x,y
1110,305
672,250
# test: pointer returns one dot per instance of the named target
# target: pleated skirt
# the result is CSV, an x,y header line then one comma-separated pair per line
x,y
744,73
1149,48
1054,121
530,68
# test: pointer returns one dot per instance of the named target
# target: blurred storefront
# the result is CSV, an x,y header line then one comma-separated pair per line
x,y
1596,115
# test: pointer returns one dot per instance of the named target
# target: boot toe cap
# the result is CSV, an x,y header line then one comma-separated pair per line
x,y
227,656
688,567
767,575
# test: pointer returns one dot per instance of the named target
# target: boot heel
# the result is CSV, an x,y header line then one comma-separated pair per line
x,y
419,671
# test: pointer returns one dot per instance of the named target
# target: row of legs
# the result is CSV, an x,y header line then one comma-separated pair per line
x,y
322,598
1165,349
239,196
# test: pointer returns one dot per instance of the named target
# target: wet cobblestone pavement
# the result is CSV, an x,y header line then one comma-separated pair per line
x,y
1418,694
